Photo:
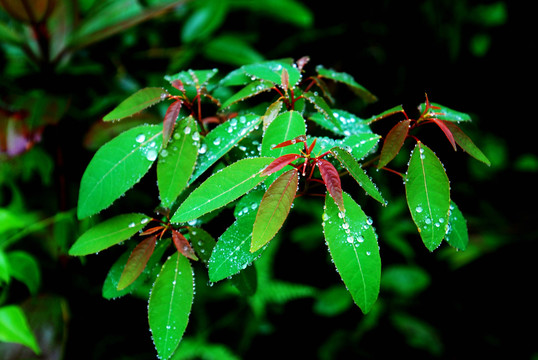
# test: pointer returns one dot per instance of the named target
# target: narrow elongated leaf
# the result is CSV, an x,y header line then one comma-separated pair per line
x,y
272,71
250,90
457,234
395,110
232,252
116,167
137,102
357,172
360,145
444,113
353,247
222,139
137,262
347,79
182,245
322,107
466,143
393,142
332,181
202,242
346,123
169,121
446,131
222,188
170,304
280,163
176,163
109,232
274,208
14,328
428,195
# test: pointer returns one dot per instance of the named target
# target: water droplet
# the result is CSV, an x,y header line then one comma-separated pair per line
x,y
131,225
418,209
196,136
187,130
216,141
151,155
202,149
164,153
350,239
140,138
345,226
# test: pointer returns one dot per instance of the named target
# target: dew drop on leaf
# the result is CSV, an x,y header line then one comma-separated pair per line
x,y
151,155
140,138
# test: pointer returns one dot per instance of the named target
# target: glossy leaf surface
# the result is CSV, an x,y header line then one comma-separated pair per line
x,y
444,113
137,262
117,166
176,162
353,247
428,195
457,234
107,233
170,304
393,142
347,79
169,121
360,145
250,90
332,181
466,143
274,208
357,172
137,102
222,188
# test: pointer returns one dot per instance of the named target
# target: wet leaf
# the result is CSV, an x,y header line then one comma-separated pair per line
x,y
280,163
357,172
360,145
331,178
457,234
137,102
169,121
108,233
14,328
170,304
392,111
176,163
446,131
348,80
192,77
222,188
353,247
250,90
428,195
116,167
274,208
182,245
444,113
466,143
322,107
137,262
202,242
393,142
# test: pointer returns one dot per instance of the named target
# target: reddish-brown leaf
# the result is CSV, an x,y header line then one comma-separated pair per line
x,y
285,80
152,230
170,120
332,181
182,245
447,132
279,163
466,143
178,84
393,142
137,262
300,138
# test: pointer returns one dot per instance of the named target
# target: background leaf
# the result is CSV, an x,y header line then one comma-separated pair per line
x,y
428,195
14,328
222,188
117,166
353,247
25,268
137,102
107,233
170,304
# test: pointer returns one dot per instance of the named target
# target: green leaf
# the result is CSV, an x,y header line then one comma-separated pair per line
x,y
222,188
353,247
193,77
395,110
117,166
360,145
232,50
345,123
140,100
25,268
444,113
457,234
254,88
466,143
176,163
393,142
274,208
202,242
240,77
357,172
232,252
428,195
322,107
170,304
14,328
222,139
205,19
404,280
109,232
347,79
272,71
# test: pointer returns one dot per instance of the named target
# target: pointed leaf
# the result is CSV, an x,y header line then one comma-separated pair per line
x,y
360,145
347,79
392,111
116,167
274,208
466,143
345,123
322,107
109,232
232,252
250,90
222,188
280,163
170,303
169,122
222,139
202,242
177,162
393,142
14,328
273,71
137,262
137,102
353,247
25,268
457,234
182,245
446,131
357,172
192,77
428,195
331,178
444,113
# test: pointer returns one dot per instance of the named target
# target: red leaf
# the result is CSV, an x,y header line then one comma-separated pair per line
x,y
182,245
301,138
447,132
285,80
137,262
152,230
178,84
279,163
393,142
170,120
466,143
332,181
